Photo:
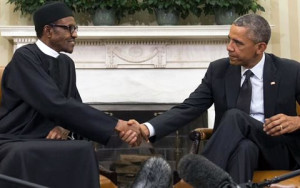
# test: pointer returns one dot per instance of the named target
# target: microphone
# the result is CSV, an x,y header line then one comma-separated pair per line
x,y
198,171
154,173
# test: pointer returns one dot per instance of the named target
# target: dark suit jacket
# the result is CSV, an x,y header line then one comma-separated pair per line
x,y
220,87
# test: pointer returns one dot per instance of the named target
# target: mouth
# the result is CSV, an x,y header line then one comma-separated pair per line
x,y
72,42
232,57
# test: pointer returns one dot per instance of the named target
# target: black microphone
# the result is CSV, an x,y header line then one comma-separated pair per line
x,y
198,171
154,173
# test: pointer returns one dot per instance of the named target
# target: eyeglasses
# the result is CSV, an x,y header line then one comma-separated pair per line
x,y
71,28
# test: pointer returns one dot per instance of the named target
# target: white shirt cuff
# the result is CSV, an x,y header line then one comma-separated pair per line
x,y
150,128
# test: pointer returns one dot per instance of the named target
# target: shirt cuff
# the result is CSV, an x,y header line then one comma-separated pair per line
x,y
150,128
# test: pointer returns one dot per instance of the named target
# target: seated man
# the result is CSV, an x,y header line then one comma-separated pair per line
x,y
40,100
255,95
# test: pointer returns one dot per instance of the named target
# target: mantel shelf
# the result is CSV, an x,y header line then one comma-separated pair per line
x,y
130,32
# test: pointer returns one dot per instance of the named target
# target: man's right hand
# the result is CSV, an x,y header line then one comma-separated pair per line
x,y
132,132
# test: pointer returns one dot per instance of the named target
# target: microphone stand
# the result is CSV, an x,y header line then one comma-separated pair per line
x,y
19,182
276,179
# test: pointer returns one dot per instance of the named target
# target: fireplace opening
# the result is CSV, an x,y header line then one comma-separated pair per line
x,y
172,147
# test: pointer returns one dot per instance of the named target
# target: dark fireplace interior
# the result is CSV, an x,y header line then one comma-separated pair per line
x,y
171,148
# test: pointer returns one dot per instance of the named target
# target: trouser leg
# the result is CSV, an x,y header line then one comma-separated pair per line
x,y
243,161
237,126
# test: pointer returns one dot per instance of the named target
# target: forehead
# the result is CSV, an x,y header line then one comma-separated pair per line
x,y
239,33
66,21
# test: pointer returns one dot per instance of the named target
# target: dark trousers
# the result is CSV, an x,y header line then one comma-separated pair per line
x,y
239,146
51,163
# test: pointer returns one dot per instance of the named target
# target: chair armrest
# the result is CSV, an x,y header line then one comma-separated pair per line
x,y
111,175
204,133
197,135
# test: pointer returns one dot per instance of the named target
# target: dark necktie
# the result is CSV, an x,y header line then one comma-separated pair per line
x,y
244,98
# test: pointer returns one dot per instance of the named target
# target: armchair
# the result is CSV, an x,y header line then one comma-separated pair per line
x,y
203,134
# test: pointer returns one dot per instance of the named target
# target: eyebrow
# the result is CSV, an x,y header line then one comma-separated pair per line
x,y
235,40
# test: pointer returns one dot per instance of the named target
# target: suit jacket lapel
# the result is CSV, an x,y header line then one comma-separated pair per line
x,y
232,85
271,83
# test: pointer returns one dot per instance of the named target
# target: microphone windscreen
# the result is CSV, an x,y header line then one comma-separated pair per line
x,y
154,173
198,171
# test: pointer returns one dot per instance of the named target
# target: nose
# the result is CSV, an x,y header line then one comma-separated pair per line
x,y
229,46
74,34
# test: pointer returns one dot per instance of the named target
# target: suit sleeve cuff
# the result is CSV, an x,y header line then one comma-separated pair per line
x,y
150,128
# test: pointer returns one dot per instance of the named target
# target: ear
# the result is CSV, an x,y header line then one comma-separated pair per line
x,y
47,31
261,47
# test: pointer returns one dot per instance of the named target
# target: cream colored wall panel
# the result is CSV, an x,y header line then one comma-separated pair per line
x,y
275,21
284,29
294,29
268,16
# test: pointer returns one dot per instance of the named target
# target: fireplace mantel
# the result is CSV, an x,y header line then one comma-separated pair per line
x,y
138,64
138,46
132,32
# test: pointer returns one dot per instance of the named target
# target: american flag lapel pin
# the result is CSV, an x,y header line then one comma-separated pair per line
x,y
273,83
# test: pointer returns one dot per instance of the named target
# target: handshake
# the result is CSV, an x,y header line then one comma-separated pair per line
x,y
132,132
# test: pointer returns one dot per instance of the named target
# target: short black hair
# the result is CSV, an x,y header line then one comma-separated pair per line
x,y
259,28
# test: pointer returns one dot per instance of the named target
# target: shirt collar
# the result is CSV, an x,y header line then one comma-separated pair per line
x,y
257,69
46,49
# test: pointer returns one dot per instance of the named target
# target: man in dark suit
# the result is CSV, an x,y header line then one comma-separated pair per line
x,y
263,134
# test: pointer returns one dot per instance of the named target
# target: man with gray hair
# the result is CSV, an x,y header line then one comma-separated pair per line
x,y
254,94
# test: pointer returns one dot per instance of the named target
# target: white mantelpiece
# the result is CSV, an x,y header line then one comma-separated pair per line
x,y
122,32
138,46
138,64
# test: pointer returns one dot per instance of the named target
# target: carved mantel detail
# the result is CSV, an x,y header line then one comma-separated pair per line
x,y
135,55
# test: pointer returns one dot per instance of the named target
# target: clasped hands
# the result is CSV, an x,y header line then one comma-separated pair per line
x,y
132,132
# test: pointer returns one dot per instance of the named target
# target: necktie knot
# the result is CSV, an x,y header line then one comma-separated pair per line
x,y
248,74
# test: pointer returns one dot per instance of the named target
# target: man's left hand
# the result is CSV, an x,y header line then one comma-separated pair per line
x,y
281,124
